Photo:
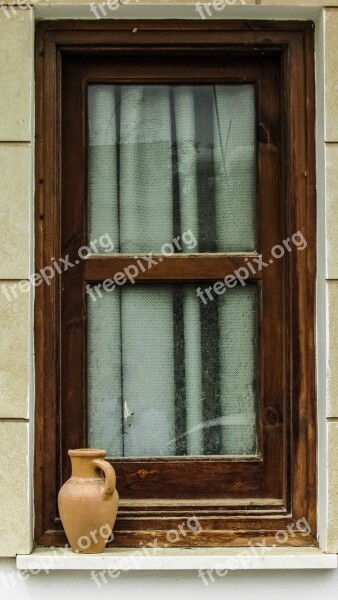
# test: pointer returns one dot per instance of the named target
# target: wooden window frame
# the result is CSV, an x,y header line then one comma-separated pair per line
x,y
249,498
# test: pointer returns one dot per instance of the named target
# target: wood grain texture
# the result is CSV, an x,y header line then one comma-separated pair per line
x,y
188,267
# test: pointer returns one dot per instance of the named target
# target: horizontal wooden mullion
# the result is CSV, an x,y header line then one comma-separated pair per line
x,y
188,267
155,479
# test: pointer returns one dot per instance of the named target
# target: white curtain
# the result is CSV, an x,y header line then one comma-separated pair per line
x,y
167,375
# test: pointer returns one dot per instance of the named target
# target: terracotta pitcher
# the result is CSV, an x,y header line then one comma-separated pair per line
x,y
88,501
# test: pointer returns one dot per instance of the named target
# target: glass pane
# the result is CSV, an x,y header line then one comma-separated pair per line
x,y
164,160
170,375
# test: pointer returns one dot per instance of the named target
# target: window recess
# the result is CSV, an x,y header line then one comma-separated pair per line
x,y
193,143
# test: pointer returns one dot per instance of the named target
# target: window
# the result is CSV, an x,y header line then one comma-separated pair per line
x,y
181,154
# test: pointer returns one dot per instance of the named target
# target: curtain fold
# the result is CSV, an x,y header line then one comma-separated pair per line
x,y
105,408
235,168
168,375
145,215
103,153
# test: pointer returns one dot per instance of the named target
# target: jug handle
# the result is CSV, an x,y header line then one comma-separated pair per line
x,y
110,477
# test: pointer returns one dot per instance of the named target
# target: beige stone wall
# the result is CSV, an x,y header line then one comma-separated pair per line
x,y
331,201
16,191
16,86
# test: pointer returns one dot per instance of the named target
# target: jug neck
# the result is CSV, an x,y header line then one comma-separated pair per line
x,y
82,462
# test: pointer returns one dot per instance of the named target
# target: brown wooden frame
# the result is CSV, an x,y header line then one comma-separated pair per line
x,y
248,498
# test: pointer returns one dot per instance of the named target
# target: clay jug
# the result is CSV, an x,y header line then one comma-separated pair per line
x,y
88,501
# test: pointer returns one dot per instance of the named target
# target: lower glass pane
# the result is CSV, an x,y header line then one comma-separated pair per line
x,y
170,375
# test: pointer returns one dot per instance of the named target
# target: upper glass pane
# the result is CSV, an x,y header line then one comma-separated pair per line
x,y
164,160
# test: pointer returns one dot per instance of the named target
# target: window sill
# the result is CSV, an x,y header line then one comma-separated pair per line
x,y
171,559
